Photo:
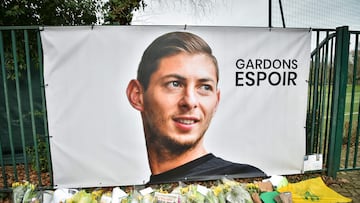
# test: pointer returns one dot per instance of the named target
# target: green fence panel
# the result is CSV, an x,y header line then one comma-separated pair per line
x,y
24,143
352,107
334,96
357,70
320,86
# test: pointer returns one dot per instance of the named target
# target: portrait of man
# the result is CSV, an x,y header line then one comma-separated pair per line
x,y
177,95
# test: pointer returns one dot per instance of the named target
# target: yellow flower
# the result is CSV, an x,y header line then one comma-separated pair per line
x,y
96,194
15,184
32,186
161,190
217,190
252,188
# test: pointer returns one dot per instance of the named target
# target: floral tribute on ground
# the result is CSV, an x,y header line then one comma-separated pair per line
x,y
275,189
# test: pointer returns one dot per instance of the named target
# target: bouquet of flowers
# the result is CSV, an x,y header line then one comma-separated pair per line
x,y
24,192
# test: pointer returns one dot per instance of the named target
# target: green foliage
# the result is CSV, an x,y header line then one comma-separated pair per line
x,y
67,12
19,42
49,12
120,11
42,151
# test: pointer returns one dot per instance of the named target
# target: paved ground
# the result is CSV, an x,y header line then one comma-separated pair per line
x,y
347,184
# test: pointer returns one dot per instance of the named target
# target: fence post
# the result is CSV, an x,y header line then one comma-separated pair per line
x,y
338,98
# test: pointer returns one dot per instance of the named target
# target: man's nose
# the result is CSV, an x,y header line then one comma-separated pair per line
x,y
189,99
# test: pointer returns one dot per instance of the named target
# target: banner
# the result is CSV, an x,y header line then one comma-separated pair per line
x,y
97,137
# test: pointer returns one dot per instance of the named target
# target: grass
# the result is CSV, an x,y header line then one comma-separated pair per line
x,y
356,99
350,99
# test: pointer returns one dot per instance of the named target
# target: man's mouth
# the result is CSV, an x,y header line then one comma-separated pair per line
x,y
186,121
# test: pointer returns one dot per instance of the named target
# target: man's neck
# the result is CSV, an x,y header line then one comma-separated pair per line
x,y
160,163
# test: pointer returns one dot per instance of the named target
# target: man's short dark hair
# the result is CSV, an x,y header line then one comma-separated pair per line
x,y
168,45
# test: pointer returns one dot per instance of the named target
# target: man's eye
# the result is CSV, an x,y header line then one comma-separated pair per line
x,y
174,84
206,87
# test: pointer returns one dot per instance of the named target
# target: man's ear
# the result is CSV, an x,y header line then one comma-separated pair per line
x,y
134,92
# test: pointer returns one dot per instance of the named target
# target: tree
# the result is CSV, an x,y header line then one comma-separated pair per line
x,y
354,70
120,11
49,12
67,12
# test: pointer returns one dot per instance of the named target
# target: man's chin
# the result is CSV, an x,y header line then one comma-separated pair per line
x,y
178,147
174,144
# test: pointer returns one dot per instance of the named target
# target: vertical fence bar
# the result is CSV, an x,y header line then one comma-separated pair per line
x,y
315,93
329,92
319,100
338,97
3,70
11,141
323,96
34,135
309,108
356,58
309,86
22,133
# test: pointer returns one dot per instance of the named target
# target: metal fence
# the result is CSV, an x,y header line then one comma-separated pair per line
x,y
332,127
334,93
24,146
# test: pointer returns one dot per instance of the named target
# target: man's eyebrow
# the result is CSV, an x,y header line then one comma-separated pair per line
x,y
207,80
177,76
180,77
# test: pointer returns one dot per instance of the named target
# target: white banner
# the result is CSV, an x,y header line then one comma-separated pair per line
x,y
97,138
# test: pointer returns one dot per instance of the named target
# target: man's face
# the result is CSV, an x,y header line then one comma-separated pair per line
x,y
180,101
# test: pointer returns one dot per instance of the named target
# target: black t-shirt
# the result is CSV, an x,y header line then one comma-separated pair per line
x,y
207,167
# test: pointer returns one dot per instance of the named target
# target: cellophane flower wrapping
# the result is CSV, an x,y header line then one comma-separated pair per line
x,y
236,192
81,197
24,192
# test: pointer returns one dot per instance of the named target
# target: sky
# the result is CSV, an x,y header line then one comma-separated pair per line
x,y
203,12
253,13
